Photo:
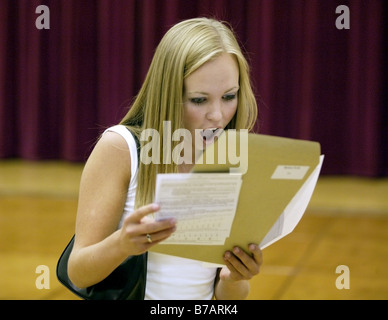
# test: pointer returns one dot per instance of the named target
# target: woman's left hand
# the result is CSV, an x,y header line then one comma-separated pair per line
x,y
241,265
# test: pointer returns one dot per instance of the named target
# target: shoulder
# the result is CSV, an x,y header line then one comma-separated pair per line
x,y
113,139
110,156
112,145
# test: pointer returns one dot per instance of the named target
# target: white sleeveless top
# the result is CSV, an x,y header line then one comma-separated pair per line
x,y
168,277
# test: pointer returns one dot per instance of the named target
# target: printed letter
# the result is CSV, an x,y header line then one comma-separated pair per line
x,y
343,280
185,146
153,146
43,281
43,21
343,21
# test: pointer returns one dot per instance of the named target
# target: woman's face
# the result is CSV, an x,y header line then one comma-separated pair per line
x,y
210,98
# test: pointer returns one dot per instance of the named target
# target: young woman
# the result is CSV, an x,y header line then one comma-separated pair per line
x,y
198,80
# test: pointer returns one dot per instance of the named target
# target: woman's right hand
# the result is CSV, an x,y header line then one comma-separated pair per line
x,y
139,232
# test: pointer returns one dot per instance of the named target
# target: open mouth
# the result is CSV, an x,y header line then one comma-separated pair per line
x,y
208,135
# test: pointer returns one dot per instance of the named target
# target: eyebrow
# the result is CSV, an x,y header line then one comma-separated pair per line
x,y
206,94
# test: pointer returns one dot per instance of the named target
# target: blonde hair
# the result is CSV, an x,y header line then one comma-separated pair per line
x,y
183,49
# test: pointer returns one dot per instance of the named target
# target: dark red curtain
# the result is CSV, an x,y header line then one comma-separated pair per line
x,y
60,87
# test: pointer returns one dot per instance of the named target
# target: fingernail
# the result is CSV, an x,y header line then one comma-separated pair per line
x,y
236,250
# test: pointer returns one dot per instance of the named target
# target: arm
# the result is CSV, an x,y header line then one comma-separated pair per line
x,y
232,282
99,247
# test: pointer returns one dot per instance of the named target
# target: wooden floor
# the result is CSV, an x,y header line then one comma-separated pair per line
x,y
346,223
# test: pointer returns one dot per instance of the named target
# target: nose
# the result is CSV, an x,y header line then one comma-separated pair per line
x,y
214,112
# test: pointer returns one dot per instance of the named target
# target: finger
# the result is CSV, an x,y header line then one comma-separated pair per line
x,y
256,253
233,273
142,212
249,261
147,219
157,226
159,236
236,266
141,242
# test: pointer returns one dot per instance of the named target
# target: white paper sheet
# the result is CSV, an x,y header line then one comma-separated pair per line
x,y
294,210
209,221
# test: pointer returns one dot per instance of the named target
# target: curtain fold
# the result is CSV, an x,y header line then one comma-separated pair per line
x,y
60,87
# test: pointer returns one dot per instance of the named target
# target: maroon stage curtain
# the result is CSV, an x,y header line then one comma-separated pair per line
x,y
60,87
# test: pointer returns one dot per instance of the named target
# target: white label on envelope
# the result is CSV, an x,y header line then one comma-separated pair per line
x,y
290,172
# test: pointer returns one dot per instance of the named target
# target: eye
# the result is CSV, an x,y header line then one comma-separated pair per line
x,y
197,101
229,96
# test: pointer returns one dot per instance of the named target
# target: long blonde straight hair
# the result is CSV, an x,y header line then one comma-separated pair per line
x,y
183,49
